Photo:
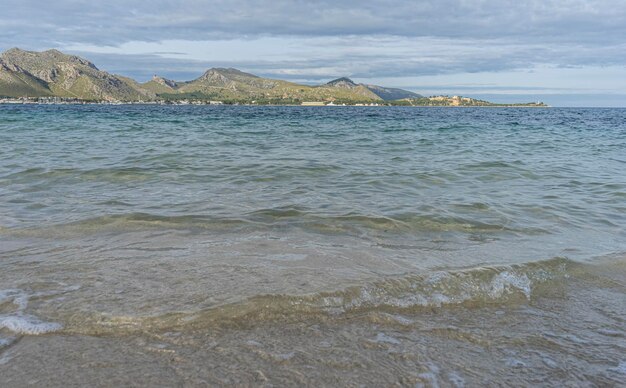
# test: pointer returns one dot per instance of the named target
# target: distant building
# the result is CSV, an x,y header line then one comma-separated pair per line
x,y
313,103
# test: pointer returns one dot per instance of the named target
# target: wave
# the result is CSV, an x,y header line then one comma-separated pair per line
x,y
349,223
471,288
24,324
37,175
17,320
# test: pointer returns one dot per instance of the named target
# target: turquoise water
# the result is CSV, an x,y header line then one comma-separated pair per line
x,y
497,174
127,220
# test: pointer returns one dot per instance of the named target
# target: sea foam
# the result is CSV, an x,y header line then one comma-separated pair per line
x,y
21,323
25,324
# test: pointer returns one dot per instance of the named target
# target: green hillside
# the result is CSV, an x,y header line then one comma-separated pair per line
x,y
64,75
52,73
15,82
235,85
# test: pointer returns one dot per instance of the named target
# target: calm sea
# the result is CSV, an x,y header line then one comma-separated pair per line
x,y
232,245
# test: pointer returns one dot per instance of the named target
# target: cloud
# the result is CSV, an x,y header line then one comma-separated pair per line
x,y
311,41
115,21
322,58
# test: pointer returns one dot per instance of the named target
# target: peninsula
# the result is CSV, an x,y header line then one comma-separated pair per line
x,y
54,77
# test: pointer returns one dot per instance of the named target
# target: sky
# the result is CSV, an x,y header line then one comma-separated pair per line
x,y
562,52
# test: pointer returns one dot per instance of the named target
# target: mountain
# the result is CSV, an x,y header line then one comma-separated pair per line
x,y
342,83
16,82
165,82
54,73
235,85
383,93
159,85
389,94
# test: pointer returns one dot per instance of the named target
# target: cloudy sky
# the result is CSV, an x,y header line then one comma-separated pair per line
x,y
564,52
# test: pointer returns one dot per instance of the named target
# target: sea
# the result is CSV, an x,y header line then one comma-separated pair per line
x,y
312,246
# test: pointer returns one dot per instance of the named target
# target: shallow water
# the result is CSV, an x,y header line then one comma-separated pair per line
x,y
321,246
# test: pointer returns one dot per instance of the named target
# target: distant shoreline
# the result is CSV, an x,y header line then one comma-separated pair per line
x,y
54,77
148,103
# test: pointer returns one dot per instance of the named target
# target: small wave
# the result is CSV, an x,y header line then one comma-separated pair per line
x,y
21,323
25,324
286,217
436,290
116,174
476,286
125,223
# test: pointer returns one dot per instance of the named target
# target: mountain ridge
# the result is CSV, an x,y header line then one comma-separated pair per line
x,y
387,94
52,73
63,75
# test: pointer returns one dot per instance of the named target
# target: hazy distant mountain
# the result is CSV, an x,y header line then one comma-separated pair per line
x,y
389,94
347,84
384,93
343,83
54,73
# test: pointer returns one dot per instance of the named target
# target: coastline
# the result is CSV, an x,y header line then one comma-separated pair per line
x,y
175,103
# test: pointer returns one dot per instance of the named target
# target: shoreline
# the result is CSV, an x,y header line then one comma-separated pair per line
x,y
268,105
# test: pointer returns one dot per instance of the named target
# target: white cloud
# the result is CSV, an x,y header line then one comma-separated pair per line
x,y
399,42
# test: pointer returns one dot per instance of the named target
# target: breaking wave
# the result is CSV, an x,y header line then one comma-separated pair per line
x,y
14,318
471,288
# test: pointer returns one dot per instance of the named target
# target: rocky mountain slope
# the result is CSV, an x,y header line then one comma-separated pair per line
x,y
381,92
54,73
233,84
16,82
